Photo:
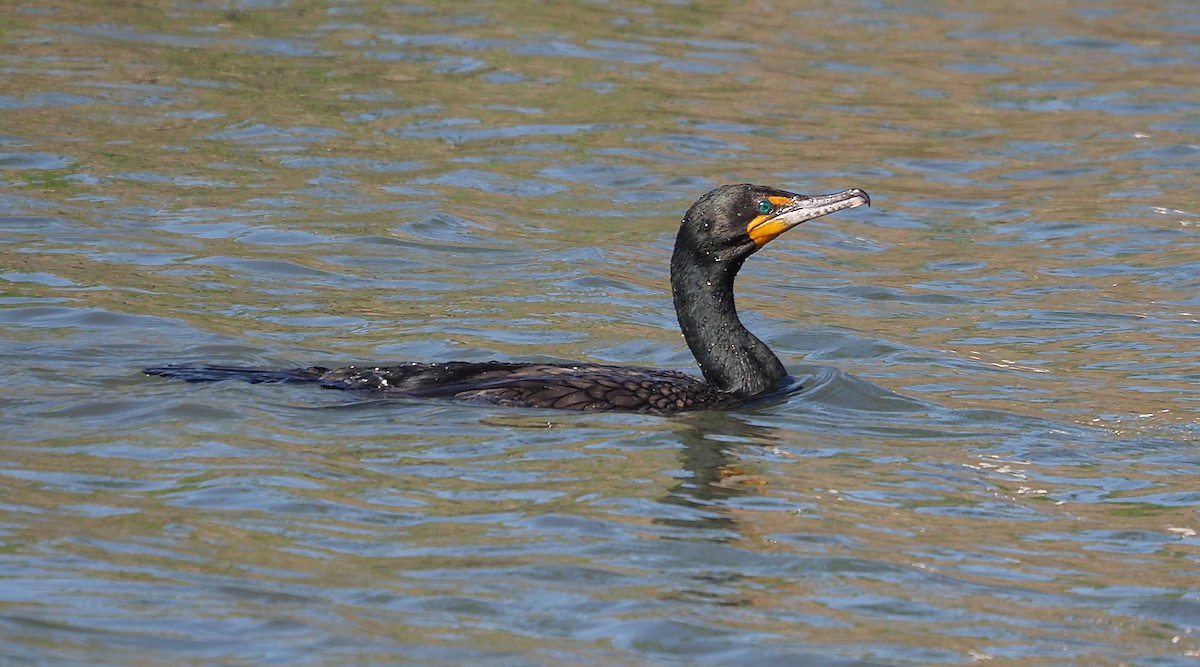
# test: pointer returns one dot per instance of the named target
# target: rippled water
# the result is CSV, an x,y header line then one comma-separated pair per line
x,y
994,457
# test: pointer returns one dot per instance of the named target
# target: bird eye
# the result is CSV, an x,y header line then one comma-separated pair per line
x,y
765,206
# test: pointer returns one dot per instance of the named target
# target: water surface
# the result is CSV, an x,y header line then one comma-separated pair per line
x,y
994,457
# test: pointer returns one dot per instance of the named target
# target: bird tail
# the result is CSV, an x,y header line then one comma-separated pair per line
x,y
206,373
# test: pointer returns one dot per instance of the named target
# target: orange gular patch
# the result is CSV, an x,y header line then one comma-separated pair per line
x,y
764,228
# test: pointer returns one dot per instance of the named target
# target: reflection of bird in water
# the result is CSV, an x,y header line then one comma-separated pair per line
x,y
718,233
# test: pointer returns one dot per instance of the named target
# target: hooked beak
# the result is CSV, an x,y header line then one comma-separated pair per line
x,y
791,211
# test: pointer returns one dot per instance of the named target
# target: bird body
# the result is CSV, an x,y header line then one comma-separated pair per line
x,y
716,235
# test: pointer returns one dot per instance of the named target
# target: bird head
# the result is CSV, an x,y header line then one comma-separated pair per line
x,y
733,221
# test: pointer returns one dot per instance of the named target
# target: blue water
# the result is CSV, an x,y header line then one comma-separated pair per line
x,y
992,459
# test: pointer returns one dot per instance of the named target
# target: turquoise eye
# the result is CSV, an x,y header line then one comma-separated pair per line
x,y
765,206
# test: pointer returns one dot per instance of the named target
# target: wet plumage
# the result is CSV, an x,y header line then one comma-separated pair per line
x,y
718,233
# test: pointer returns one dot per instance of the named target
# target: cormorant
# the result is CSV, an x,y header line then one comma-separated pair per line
x,y
716,235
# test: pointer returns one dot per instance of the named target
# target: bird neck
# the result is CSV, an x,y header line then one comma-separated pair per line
x,y
732,359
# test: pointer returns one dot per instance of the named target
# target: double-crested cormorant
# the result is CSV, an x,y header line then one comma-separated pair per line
x,y
717,234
